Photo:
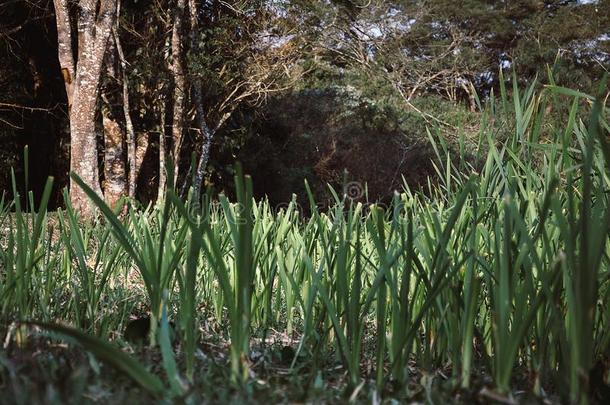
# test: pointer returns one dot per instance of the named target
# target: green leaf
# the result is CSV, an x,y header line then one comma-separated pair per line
x,y
110,355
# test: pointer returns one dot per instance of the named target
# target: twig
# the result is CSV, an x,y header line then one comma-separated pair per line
x,y
24,107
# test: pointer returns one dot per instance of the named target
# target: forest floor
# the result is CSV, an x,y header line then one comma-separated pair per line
x,y
42,370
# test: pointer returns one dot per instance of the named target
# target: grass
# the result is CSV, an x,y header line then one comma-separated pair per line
x,y
494,283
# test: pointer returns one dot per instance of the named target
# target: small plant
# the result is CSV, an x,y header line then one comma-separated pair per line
x,y
154,242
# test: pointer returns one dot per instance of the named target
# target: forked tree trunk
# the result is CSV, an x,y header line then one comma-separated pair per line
x,y
81,77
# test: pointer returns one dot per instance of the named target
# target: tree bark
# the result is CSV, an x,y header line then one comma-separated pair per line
x,y
64,42
141,150
202,124
114,159
206,145
162,149
131,135
114,185
83,142
94,23
177,68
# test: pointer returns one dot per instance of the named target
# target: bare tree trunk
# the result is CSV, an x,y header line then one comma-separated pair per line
x,y
114,185
204,129
177,69
140,153
114,160
162,148
206,145
83,142
64,41
131,135
95,20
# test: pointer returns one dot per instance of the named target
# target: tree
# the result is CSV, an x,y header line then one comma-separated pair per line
x,y
179,82
239,56
81,69
454,48
198,72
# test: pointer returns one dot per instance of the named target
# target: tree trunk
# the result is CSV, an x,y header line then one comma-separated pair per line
x,y
81,78
141,149
114,159
64,46
177,69
204,158
162,148
114,185
83,142
203,127
131,135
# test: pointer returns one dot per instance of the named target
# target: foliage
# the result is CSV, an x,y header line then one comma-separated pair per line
x,y
406,57
497,271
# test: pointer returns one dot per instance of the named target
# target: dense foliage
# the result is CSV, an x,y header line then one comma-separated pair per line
x,y
403,65
493,284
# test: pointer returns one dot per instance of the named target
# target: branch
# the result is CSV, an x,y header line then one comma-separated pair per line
x,y
24,107
10,124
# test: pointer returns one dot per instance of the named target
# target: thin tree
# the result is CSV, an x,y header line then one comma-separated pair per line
x,y
179,79
131,135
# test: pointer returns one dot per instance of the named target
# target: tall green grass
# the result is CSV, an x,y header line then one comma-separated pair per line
x,y
500,265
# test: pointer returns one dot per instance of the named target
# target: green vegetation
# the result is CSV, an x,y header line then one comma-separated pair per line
x,y
494,282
